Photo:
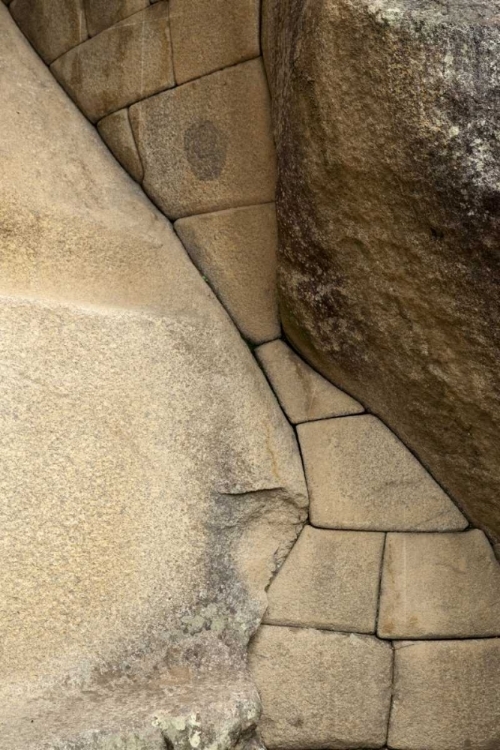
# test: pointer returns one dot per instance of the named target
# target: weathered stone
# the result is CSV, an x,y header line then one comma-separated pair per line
x,y
321,689
200,148
52,26
122,65
101,15
208,35
439,586
330,580
139,526
386,119
236,251
117,134
360,476
446,695
302,392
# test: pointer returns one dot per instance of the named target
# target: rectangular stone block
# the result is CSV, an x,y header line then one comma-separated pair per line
x,y
101,15
124,64
329,580
446,695
439,586
321,689
208,35
52,26
361,476
207,145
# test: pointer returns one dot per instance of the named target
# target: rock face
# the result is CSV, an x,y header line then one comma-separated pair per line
x,y
150,484
386,117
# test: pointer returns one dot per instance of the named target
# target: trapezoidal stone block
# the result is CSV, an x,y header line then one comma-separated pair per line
x,y
126,63
446,695
330,580
101,15
439,586
236,251
208,35
117,134
360,476
302,392
207,145
321,689
52,26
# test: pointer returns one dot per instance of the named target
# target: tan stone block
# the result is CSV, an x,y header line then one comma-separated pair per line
x,y
236,251
360,476
439,586
446,695
126,63
321,689
101,15
208,145
117,134
330,580
52,26
302,392
208,35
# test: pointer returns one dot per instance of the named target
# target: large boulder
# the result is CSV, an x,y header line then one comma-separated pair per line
x,y
386,117
150,484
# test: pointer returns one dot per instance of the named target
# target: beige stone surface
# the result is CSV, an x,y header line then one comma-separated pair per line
x,y
236,251
101,15
330,580
360,476
439,586
321,689
446,695
117,134
208,35
124,64
139,527
386,120
52,26
201,148
302,392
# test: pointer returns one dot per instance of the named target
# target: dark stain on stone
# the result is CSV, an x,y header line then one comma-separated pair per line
x,y
206,150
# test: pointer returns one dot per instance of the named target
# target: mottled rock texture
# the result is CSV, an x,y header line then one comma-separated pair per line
x,y
101,15
139,525
52,26
386,120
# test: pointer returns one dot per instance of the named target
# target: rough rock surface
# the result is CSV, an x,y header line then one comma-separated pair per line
x,y
236,251
208,35
330,580
124,64
439,586
52,26
321,689
150,484
360,476
446,695
201,148
386,123
101,15
302,392
117,134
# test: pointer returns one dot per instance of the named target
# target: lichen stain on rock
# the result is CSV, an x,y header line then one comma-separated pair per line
x,y
205,147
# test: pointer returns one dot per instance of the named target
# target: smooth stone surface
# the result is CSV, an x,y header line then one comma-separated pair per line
x,y
117,134
386,118
330,580
321,689
124,64
302,392
139,527
101,15
200,148
236,251
208,35
360,476
439,586
52,26
446,695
